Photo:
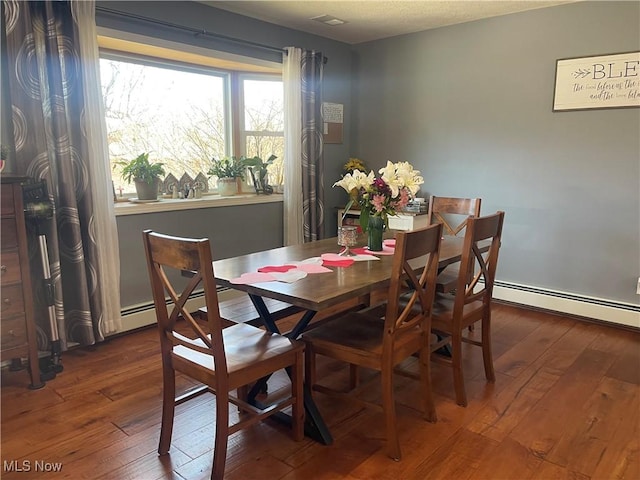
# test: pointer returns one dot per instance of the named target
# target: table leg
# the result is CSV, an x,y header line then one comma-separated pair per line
x,y
264,313
314,425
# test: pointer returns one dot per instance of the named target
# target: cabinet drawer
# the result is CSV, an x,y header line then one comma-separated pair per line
x,y
6,193
11,300
14,332
9,268
9,234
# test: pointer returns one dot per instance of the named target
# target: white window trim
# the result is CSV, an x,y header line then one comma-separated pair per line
x,y
123,208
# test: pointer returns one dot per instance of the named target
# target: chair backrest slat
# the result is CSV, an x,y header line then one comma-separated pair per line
x,y
415,263
479,255
452,212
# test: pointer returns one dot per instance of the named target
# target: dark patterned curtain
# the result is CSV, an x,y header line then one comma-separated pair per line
x,y
50,143
312,64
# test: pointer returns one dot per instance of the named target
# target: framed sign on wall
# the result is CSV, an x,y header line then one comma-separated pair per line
x,y
605,81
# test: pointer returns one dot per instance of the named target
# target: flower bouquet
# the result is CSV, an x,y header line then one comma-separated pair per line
x,y
380,196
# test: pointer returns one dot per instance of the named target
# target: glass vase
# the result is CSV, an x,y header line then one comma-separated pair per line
x,y
375,228
347,238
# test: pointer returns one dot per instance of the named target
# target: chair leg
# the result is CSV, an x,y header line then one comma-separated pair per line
x,y
389,408
297,391
428,403
243,394
309,367
222,436
487,355
456,361
168,408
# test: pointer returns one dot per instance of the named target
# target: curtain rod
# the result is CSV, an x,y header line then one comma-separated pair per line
x,y
195,31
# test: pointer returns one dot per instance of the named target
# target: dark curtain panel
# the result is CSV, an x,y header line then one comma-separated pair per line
x,y
312,148
45,89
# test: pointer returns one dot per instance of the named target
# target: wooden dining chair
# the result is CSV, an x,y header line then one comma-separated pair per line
x,y
452,314
452,212
365,339
221,360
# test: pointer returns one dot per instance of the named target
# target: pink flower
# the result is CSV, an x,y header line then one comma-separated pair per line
x,y
404,197
378,202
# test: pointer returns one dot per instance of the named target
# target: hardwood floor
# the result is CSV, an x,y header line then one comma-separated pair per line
x,y
565,405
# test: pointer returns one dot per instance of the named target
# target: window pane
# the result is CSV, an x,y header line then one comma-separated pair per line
x,y
263,105
177,116
264,146
263,114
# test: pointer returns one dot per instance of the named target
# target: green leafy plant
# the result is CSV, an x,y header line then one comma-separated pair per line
x,y
141,169
228,167
260,167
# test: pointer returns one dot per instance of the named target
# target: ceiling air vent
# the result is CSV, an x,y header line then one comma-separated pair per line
x,y
328,20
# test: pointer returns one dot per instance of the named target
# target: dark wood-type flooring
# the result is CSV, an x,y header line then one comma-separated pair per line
x,y
565,405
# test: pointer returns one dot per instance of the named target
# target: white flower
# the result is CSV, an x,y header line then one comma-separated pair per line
x,y
400,175
355,180
408,177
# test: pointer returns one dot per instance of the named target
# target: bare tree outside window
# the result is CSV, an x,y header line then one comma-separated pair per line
x,y
264,123
177,116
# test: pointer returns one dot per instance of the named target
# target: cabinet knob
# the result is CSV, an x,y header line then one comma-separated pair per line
x,y
3,269
6,301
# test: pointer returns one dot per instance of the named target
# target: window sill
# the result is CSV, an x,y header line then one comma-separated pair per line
x,y
169,204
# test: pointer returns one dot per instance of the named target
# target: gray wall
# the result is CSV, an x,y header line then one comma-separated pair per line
x,y
471,107
232,231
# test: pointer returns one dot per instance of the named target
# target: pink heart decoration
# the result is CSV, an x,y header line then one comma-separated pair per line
x,y
253,277
332,257
313,268
276,268
335,260
365,250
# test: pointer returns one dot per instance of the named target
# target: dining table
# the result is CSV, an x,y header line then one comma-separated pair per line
x,y
315,292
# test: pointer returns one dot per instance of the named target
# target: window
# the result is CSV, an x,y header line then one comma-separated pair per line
x,y
262,132
184,115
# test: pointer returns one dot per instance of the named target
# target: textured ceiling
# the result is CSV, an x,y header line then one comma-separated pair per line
x,y
372,19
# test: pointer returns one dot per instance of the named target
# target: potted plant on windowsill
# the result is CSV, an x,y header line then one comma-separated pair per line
x,y
228,170
261,180
144,174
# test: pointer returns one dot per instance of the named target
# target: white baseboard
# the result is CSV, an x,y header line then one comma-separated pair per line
x,y
571,304
598,309
143,315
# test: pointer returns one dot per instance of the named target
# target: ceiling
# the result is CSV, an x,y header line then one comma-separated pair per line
x,y
374,19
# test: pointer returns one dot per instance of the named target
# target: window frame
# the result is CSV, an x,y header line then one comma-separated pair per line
x,y
188,68
241,144
136,48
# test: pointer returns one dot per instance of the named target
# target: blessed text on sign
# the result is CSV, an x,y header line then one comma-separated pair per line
x,y
607,81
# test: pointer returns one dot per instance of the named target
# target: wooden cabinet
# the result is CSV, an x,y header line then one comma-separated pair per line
x,y
402,221
17,328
